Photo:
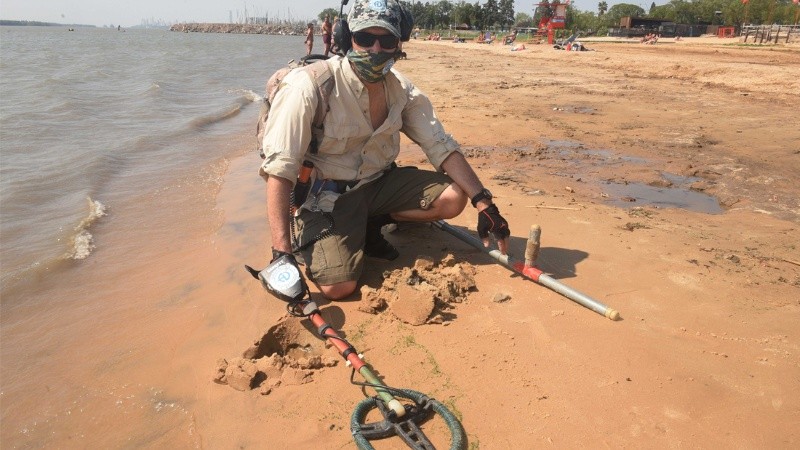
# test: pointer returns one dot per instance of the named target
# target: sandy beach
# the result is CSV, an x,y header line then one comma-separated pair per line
x,y
707,351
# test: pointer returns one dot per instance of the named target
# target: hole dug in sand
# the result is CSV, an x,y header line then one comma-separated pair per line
x,y
290,354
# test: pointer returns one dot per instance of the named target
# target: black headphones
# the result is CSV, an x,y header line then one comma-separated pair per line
x,y
342,38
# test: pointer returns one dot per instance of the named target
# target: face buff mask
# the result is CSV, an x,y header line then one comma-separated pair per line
x,y
371,67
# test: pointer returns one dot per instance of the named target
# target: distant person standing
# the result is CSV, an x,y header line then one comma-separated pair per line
x,y
309,38
335,48
327,30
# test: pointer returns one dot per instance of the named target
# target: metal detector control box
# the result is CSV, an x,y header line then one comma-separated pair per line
x,y
282,279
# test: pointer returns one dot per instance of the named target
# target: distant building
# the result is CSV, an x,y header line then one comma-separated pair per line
x,y
640,26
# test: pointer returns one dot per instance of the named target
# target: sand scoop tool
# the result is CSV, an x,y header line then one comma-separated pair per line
x,y
403,410
527,269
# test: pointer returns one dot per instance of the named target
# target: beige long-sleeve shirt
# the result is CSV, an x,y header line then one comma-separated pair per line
x,y
349,148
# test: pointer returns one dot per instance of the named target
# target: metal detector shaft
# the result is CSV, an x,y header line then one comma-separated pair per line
x,y
531,273
354,359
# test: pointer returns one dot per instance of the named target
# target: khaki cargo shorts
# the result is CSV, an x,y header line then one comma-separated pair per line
x,y
339,255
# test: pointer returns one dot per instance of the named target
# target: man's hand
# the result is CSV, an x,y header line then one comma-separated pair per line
x,y
490,221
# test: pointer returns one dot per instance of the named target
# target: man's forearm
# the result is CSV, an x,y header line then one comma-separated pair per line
x,y
457,168
278,190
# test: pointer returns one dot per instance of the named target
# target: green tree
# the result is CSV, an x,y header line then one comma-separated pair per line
x,y
490,13
331,12
464,12
479,14
706,11
506,13
620,10
424,15
443,13
523,20
684,12
663,12
583,21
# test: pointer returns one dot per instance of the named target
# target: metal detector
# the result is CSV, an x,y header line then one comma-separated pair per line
x,y
283,279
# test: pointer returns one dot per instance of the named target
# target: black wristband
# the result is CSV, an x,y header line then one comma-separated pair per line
x,y
277,254
484,194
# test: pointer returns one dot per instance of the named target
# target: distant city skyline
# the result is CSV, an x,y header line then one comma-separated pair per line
x,y
126,14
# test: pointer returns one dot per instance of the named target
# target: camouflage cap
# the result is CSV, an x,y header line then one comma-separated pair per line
x,y
375,13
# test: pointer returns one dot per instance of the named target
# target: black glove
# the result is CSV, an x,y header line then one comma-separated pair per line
x,y
490,221
277,254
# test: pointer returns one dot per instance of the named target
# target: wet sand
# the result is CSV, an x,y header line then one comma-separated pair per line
x,y
706,354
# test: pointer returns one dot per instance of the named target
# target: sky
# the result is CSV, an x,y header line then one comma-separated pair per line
x,y
129,13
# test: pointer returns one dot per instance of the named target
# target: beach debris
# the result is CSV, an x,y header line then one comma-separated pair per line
x,y
501,297
630,226
565,208
638,211
796,263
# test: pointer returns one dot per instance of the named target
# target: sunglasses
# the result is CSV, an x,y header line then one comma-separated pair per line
x,y
364,39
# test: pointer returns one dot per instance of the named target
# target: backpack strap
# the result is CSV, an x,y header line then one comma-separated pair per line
x,y
323,81
322,77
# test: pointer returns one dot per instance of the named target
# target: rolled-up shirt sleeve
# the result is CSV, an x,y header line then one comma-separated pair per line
x,y
422,126
288,129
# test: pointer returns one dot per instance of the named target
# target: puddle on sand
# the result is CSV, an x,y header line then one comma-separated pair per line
x,y
571,159
677,196
571,149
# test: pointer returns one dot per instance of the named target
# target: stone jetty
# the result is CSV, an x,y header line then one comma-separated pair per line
x,y
240,28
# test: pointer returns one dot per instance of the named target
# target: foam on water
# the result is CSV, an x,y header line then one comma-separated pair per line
x,y
82,240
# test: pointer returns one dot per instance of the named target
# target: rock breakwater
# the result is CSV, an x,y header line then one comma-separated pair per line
x,y
239,28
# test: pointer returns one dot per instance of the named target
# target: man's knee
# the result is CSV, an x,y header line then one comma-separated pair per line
x,y
451,202
338,291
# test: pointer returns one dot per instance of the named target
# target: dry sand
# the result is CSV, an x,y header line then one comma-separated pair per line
x,y
706,354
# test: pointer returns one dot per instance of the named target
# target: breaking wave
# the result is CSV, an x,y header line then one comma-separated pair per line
x,y
82,240
246,97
